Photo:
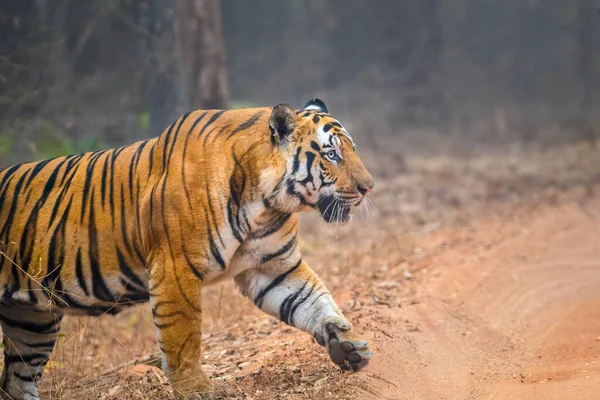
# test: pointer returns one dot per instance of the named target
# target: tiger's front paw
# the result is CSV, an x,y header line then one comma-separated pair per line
x,y
345,348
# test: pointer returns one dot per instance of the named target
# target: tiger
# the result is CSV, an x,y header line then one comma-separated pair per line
x,y
216,196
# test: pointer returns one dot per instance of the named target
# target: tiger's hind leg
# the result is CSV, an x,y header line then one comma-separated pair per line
x,y
28,338
175,296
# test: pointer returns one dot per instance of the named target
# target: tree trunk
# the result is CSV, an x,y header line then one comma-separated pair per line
x,y
586,42
165,100
202,53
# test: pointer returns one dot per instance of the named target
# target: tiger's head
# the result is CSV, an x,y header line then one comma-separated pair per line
x,y
322,169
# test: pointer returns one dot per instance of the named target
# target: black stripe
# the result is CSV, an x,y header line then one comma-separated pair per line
x,y
37,169
41,345
212,214
167,137
298,304
176,135
296,164
138,153
284,249
56,253
99,288
210,121
2,202
233,203
273,227
165,173
266,203
138,224
191,265
7,174
25,358
165,325
5,233
124,232
115,155
223,127
169,315
151,159
197,121
134,293
127,271
232,221
277,281
104,180
24,378
183,168
79,273
239,189
291,190
3,194
213,248
245,125
89,174
48,188
133,167
65,188
288,303
28,237
72,162
310,158
30,326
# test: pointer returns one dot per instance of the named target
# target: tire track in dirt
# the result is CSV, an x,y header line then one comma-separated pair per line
x,y
512,311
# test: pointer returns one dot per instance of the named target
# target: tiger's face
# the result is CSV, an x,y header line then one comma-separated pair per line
x,y
323,171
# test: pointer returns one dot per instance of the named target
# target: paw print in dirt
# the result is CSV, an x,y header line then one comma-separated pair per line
x,y
345,348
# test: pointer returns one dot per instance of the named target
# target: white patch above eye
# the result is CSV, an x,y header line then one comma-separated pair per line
x,y
313,107
323,137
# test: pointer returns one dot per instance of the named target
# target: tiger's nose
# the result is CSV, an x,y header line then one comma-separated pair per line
x,y
364,189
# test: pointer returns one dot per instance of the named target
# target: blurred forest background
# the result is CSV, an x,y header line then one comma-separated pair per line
x,y
78,75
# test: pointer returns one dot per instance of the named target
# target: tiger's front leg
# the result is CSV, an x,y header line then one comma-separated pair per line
x,y
294,294
175,296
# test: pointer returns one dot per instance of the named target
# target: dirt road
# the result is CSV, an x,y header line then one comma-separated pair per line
x,y
510,309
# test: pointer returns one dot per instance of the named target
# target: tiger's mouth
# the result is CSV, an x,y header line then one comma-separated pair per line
x,y
333,209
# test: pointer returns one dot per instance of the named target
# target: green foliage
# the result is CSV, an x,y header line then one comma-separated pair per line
x,y
235,104
144,122
53,142
54,146
7,142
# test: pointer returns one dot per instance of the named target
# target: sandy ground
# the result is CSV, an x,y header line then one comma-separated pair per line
x,y
508,310
496,299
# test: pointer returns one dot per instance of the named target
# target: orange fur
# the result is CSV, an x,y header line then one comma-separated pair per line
x,y
214,196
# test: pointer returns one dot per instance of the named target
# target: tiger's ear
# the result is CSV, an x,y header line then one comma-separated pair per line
x,y
316,105
282,122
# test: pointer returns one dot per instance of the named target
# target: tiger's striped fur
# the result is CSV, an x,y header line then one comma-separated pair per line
x,y
214,197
